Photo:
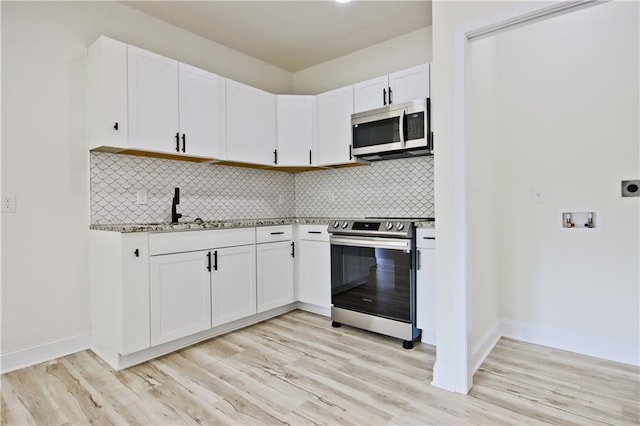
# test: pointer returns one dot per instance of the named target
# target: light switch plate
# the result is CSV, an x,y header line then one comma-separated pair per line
x,y
537,195
631,188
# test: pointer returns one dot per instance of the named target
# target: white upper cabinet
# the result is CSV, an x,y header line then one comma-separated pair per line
x,y
107,94
333,115
251,124
410,84
153,101
144,101
201,112
396,88
370,94
295,130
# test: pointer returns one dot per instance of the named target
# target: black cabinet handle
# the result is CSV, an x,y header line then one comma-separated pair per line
x,y
384,96
275,156
309,157
115,126
209,261
428,238
350,155
293,249
390,96
277,233
184,142
177,142
136,252
215,260
314,232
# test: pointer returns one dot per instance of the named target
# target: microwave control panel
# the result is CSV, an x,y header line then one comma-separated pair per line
x,y
415,125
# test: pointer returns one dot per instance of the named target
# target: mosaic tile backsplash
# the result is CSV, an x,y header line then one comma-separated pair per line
x,y
388,188
394,188
206,191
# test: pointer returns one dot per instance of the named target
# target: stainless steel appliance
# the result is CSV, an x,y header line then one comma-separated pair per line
x,y
373,276
394,131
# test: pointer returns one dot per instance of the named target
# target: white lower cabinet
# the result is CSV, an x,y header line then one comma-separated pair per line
x,y
180,295
233,284
313,266
426,284
119,288
275,274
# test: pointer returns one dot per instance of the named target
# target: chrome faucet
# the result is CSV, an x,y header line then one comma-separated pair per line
x,y
176,200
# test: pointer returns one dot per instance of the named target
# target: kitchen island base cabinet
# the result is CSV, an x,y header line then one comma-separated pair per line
x,y
233,284
180,296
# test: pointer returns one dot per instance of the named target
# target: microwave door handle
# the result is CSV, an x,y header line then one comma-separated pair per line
x,y
402,123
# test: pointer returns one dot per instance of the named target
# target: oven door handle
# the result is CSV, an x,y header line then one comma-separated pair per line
x,y
382,243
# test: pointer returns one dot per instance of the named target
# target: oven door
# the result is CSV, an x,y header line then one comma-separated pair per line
x,y
373,276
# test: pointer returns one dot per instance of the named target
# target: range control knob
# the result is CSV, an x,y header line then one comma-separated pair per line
x,y
389,226
399,226
335,224
344,225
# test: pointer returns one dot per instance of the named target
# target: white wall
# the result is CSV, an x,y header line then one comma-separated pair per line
x,y
380,59
451,367
568,123
483,195
44,156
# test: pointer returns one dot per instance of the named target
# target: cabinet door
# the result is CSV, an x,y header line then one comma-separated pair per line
x,y
233,287
201,110
426,294
275,274
251,124
107,94
180,295
135,293
295,130
370,94
153,101
333,142
410,84
314,273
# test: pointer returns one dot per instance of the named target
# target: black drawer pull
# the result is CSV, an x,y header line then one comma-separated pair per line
x,y
277,233
428,238
314,232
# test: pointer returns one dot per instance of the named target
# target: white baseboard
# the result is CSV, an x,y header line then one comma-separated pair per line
x,y
314,309
573,342
483,348
15,360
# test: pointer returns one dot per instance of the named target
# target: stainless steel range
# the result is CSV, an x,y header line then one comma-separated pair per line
x,y
373,276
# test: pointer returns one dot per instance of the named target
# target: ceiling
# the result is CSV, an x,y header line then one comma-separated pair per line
x,y
292,35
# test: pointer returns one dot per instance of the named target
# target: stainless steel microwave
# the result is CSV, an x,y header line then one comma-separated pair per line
x,y
394,131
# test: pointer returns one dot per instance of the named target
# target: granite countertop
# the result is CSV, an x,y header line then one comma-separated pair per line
x,y
222,224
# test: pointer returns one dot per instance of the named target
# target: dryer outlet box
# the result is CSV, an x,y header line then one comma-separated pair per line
x,y
631,188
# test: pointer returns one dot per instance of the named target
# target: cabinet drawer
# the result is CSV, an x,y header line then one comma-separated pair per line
x,y
313,232
270,234
177,242
426,238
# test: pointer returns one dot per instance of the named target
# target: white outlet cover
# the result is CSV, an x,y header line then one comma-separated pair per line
x,y
8,203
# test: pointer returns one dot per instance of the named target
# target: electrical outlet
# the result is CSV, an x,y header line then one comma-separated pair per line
x,y
537,195
8,203
142,197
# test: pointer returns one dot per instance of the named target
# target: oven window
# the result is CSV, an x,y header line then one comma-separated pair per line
x,y
376,133
372,280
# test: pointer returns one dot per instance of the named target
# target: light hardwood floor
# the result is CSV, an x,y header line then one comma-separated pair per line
x,y
297,369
